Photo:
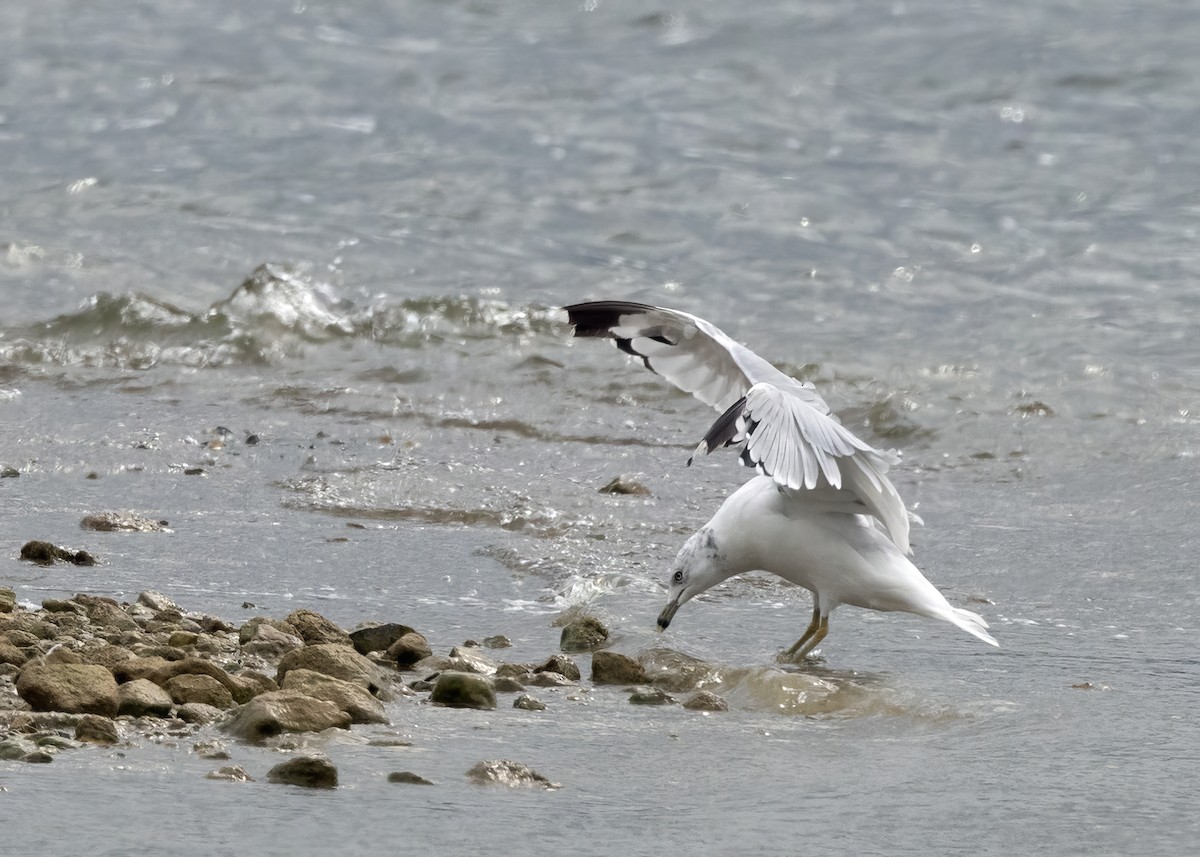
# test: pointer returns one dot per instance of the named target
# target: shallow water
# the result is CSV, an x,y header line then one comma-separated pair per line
x,y
976,232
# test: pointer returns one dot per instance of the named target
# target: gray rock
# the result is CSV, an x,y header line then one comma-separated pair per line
x,y
516,671
108,522
143,698
528,703
507,684
408,650
465,659
335,660
8,600
705,700
75,688
210,750
190,687
94,729
547,679
503,772
560,664
408,778
351,698
463,690
315,628
270,714
499,641
583,635
378,638
614,668
313,772
54,741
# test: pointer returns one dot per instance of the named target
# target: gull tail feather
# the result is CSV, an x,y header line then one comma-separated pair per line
x,y
972,623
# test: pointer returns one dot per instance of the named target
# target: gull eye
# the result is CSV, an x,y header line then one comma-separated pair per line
x,y
678,576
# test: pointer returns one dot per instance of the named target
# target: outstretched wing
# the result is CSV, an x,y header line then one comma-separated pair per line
x,y
789,432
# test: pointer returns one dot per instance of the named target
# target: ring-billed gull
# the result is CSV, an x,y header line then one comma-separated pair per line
x,y
807,516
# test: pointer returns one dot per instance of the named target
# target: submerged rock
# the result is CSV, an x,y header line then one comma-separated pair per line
x,y
233,773
463,690
705,701
313,772
676,672
73,688
583,635
651,696
408,778
503,772
498,641
621,485
614,668
528,703
108,522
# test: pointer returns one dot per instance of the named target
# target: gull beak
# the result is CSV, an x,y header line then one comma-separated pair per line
x,y
668,613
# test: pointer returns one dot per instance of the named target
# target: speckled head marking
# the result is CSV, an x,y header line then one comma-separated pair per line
x,y
697,566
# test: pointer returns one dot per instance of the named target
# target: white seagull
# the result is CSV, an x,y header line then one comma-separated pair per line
x,y
810,515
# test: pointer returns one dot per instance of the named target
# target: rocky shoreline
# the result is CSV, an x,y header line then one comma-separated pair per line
x,y
89,669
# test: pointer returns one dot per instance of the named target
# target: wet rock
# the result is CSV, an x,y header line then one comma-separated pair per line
x,y
190,687
705,700
314,628
547,679
506,684
503,772
583,635
651,696
335,660
75,688
198,713
614,668
159,670
210,750
8,600
94,729
108,522
516,671
409,650
466,660
281,711
498,641
233,773
14,747
528,703
271,643
378,638
143,698
9,472
10,654
676,672
38,757
45,553
250,683
621,485
408,778
463,690
313,772
560,664
353,699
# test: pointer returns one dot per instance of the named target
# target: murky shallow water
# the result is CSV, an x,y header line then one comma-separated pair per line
x,y
976,232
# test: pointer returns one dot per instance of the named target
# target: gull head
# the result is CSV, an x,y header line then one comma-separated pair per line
x,y
698,566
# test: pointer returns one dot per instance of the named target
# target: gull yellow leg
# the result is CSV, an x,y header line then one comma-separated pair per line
x,y
814,640
808,632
